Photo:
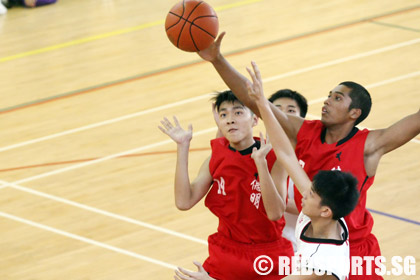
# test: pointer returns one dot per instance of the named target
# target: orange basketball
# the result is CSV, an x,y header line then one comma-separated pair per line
x,y
192,25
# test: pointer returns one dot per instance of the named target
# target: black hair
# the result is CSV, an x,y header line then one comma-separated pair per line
x,y
296,96
360,99
338,191
223,96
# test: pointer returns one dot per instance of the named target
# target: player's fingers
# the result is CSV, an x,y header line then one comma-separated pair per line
x,y
162,129
256,70
186,272
176,121
166,124
262,139
220,38
253,77
267,139
181,276
199,266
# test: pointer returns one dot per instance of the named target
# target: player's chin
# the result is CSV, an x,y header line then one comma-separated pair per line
x,y
325,120
304,209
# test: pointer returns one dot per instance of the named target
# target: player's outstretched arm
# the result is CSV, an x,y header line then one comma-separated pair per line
x,y
238,84
281,144
187,193
273,186
382,141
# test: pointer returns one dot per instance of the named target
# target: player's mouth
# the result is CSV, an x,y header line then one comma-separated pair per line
x,y
324,110
232,130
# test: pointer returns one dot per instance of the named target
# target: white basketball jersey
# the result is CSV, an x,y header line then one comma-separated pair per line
x,y
323,255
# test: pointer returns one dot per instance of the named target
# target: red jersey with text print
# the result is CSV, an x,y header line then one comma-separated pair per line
x,y
235,197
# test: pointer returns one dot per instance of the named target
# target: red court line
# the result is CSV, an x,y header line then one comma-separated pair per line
x,y
178,67
89,159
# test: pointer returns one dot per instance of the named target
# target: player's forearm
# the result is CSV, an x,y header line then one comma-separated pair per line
x,y
283,148
235,81
291,207
182,183
274,204
278,137
402,132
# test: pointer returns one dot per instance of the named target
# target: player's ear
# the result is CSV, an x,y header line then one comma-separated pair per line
x,y
326,212
254,119
355,113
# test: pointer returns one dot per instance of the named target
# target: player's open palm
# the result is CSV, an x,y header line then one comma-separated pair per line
x,y
175,131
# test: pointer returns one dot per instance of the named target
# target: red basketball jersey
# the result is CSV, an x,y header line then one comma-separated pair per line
x,y
235,197
346,155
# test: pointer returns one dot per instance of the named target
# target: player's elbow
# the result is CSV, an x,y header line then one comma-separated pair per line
x,y
183,206
275,216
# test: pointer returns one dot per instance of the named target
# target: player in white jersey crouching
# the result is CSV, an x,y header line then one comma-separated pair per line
x,y
321,232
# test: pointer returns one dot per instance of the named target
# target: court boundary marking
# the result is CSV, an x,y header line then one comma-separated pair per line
x,y
86,240
105,213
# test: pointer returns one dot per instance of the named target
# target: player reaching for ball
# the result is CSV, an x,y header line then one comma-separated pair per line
x,y
321,232
238,189
334,142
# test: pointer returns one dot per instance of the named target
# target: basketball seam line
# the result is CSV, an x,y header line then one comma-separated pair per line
x,y
186,20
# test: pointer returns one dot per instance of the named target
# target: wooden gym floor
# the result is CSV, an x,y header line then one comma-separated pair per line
x,y
85,175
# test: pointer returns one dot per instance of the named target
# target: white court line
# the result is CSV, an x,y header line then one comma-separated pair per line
x,y
87,240
120,154
104,213
15,185
266,80
94,125
344,59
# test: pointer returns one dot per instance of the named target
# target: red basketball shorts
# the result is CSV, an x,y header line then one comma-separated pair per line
x,y
230,260
368,246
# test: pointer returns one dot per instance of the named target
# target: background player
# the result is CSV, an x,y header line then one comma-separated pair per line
x,y
294,103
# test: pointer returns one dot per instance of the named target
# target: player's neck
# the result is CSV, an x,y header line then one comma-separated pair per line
x,y
324,229
243,144
337,132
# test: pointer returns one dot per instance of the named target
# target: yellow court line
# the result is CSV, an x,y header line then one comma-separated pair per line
x,y
111,34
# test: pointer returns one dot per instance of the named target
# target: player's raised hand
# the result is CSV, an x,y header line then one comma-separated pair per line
x,y
201,274
175,131
212,52
265,148
255,88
